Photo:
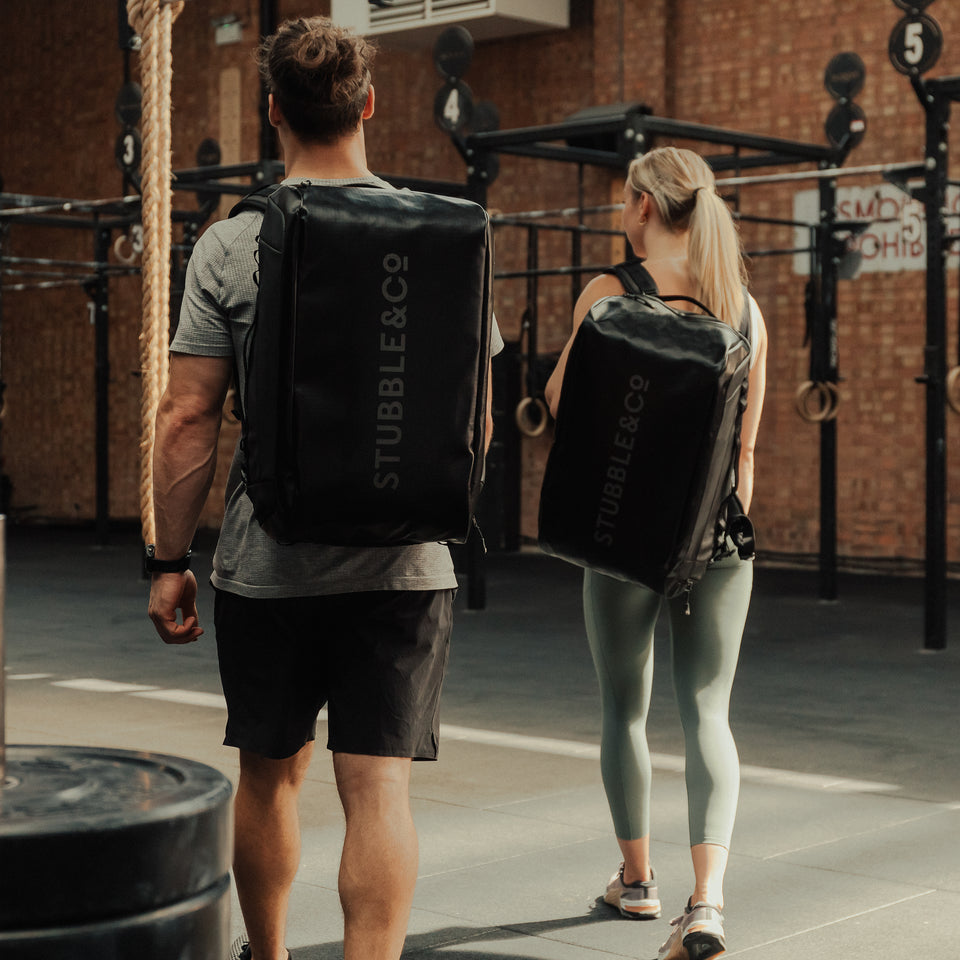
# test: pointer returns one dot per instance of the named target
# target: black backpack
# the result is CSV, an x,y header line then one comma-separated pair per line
x,y
366,369
641,478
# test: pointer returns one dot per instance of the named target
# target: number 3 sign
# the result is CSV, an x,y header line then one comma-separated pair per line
x,y
915,44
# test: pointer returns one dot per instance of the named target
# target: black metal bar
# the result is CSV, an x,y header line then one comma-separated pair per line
x,y
101,322
576,262
5,486
443,188
531,314
268,139
777,253
642,123
825,346
738,163
935,98
680,129
947,88
770,221
507,221
551,271
208,176
499,139
544,151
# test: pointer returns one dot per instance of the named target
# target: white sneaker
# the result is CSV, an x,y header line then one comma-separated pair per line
x,y
697,934
638,901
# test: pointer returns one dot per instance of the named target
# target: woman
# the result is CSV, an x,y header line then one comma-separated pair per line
x,y
685,235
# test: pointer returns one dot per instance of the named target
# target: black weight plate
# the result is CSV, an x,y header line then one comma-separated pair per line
x,y
486,117
208,153
129,104
453,52
197,928
89,833
846,126
844,76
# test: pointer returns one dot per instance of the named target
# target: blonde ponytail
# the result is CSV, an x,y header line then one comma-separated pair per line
x,y
683,188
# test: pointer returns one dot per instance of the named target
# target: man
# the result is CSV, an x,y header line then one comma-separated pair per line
x,y
364,631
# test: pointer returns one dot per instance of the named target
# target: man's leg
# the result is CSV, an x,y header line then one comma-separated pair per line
x,y
267,845
378,870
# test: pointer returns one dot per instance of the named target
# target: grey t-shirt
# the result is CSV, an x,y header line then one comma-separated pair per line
x,y
216,316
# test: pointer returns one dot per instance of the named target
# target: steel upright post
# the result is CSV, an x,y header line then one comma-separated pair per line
x,y
3,588
98,290
937,109
825,363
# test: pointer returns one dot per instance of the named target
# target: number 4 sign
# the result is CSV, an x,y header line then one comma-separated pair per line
x,y
915,44
453,106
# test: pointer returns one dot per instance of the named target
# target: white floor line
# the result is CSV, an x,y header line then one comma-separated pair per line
x,y
102,686
663,761
193,698
29,676
513,741
830,923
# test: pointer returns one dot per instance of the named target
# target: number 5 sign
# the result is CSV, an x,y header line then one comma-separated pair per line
x,y
915,44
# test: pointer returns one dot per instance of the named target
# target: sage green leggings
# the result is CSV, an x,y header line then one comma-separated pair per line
x,y
705,644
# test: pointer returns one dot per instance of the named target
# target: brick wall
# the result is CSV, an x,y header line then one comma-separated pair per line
x,y
728,63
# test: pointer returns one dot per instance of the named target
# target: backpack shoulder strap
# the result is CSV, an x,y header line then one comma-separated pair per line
x,y
634,277
257,200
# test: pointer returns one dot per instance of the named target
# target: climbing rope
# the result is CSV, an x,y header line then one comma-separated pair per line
x,y
153,20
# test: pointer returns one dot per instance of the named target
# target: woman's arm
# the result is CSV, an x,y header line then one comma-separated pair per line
x,y
606,285
751,416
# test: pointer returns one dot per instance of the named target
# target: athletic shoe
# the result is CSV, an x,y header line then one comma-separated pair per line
x,y
241,950
697,934
638,901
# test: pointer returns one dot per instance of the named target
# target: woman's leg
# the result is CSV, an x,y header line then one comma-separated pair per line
x,y
705,650
620,618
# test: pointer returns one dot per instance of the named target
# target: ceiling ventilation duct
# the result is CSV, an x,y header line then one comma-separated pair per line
x,y
419,22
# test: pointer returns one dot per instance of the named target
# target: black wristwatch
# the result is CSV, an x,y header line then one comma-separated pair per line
x,y
152,565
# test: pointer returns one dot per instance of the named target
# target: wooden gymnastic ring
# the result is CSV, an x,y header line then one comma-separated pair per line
x,y
804,392
527,426
953,389
118,248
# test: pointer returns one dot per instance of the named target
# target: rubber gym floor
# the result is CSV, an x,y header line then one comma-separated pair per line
x,y
848,835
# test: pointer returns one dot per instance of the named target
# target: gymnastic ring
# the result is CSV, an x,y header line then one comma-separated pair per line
x,y
125,258
805,391
953,389
525,424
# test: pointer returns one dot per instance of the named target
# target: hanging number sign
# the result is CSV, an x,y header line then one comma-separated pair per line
x,y
453,106
127,151
915,44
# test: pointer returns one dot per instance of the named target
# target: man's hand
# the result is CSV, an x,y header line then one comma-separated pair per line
x,y
170,592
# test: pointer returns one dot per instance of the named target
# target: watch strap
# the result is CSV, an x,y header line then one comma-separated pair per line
x,y
152,565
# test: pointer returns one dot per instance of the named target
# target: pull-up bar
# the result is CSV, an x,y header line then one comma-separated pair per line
x,y
884,169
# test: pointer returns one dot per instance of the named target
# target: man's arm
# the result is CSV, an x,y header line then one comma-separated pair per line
x,y
184,463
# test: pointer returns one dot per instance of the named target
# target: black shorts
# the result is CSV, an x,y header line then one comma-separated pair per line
x,y
376,660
